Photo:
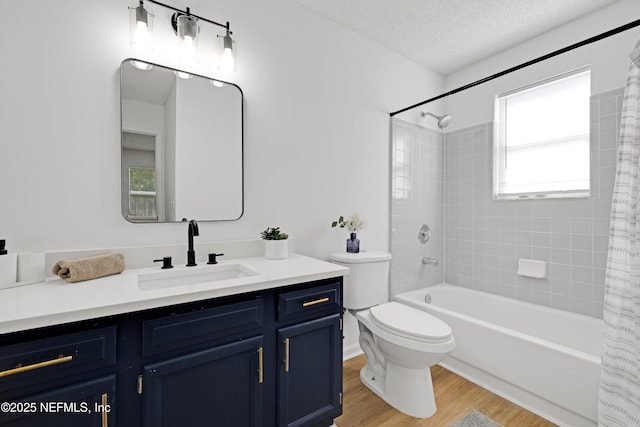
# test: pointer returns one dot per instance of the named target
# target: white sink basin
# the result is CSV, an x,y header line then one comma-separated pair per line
x,y
192,276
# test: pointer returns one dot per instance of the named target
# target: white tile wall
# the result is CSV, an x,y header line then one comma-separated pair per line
x,y
417,198
444,180
484,238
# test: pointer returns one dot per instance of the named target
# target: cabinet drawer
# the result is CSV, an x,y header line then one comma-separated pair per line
x,y
319,299
189,330
59,356
80,399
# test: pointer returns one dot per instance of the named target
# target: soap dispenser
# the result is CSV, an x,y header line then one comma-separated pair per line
x,y
8,265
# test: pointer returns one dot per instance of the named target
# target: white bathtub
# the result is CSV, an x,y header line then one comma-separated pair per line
x,y
543,359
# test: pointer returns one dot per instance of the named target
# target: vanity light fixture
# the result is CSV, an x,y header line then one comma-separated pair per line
x,y
227,62
186,27
141,29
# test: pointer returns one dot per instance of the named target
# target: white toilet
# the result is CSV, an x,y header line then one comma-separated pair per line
x,y
400,342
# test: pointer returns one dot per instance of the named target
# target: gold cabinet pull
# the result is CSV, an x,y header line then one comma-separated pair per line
x,y
314,302
286,354
105,414
260,374
61,359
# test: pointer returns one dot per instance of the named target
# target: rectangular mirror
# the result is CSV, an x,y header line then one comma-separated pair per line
x,y
182,145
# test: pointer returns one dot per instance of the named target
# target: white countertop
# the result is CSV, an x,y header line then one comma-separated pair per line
x,y
55,301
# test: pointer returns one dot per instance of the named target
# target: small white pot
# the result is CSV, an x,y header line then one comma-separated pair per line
x,y
276,249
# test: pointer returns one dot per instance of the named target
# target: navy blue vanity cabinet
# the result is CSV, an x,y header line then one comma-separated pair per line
x,y
310,356
56,378
220,385
266,358
84,404
206,367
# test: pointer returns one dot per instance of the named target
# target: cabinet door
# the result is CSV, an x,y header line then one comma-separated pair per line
x,y
310,372
86,404
63,359
220,386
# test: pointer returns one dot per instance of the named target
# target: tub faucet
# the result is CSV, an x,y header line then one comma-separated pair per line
x,y
430,261
192,231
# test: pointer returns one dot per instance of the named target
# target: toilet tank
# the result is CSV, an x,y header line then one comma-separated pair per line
x,y
368,281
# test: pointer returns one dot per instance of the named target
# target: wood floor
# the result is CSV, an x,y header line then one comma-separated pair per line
x,y
455,397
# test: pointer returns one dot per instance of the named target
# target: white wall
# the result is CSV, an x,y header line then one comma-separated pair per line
x,y
317,99
317,103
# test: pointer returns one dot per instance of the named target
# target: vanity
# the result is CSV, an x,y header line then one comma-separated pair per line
x,y
245,342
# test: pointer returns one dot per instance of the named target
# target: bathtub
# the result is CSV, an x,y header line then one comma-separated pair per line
x,y
543,359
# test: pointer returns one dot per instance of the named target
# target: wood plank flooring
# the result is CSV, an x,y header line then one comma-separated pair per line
x,y
455,397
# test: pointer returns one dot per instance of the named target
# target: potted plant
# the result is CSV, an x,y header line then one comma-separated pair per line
x,y
276,245
354,223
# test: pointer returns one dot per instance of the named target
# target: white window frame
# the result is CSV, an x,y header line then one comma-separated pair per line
x,y
501,188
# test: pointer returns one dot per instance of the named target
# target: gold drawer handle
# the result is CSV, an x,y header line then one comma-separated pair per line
x,y
260,362
61,359
286,354
314,302
105,414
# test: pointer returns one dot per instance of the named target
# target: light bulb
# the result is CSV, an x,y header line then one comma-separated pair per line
x,y
227,63
182,74
187,30
188,51
227,60
141,36
141,65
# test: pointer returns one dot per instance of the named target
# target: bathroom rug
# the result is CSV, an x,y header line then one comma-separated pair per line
x,y
475,419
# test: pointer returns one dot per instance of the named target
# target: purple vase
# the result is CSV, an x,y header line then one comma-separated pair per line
x,y
353,244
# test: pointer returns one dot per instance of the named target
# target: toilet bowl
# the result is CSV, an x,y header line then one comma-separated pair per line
x,y
399,342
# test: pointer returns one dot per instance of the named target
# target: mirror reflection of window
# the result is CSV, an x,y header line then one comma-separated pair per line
x,y
140,178
142,194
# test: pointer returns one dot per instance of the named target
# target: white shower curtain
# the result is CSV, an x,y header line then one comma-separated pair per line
x,y
619,399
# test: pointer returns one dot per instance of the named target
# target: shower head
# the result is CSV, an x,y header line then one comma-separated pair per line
x,y
443,120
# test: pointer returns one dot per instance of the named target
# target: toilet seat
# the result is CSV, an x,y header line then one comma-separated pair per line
x,y
410,323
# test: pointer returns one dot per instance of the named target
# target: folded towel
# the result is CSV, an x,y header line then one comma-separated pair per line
x,y
92,267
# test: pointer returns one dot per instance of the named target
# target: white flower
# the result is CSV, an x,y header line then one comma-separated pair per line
x,y
354,223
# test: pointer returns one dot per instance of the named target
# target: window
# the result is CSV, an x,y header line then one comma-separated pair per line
x,y
142,193
542,139
400,173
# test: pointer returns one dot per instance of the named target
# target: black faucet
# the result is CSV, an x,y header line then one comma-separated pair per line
x,y
191,253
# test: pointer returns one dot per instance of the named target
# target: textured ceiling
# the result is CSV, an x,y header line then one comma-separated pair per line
x,y
446,35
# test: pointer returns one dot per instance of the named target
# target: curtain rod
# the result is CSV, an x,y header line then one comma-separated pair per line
x,y
526,64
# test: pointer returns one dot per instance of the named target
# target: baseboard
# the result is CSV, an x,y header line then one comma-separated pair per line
x,y
351,351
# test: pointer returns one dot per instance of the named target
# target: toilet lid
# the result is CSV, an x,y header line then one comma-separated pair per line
x,y
409,322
